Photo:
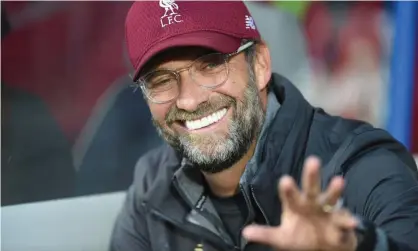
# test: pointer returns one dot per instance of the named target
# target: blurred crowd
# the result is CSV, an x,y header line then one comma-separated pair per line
x,y
348,47
72,126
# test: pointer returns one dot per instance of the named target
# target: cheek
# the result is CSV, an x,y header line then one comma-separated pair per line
x,y
234,88
159,112
237,82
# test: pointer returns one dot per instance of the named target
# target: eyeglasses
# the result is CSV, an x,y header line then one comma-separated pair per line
x,y
209,71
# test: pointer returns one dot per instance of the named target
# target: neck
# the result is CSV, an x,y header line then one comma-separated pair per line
x,y
225,183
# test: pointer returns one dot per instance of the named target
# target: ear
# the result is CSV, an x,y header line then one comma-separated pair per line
x,y
262,65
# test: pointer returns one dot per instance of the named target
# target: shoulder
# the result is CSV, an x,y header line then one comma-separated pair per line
x,y
327,134
382,171
382,164
355,147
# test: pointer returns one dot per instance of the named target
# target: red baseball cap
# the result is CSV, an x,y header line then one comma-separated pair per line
x,y
154,26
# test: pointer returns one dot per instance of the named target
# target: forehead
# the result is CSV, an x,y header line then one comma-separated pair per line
x,y
177,54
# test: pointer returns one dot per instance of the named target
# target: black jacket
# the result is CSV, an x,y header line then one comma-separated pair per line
x,y
163,209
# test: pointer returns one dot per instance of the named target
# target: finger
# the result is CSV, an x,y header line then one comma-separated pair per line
x,y
288,192
263,234
344,219
339,234
333,192
311,183
340,239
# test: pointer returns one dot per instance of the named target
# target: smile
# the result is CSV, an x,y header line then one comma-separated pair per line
x,y
205,121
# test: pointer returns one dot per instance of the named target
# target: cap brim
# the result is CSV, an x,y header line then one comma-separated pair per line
x,y
208,39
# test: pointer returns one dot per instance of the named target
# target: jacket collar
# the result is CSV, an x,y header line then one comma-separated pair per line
x,y
284,148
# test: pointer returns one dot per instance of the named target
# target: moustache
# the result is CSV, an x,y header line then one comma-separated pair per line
x,y
202,110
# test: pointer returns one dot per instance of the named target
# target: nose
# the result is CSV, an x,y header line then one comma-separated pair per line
x,y
190,93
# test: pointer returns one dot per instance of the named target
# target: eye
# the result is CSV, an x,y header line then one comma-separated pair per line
x,y
159,85
210,63
160,81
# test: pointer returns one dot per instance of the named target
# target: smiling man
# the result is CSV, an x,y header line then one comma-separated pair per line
x,y
234,130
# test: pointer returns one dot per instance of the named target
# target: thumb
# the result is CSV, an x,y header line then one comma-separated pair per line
x,y
262,234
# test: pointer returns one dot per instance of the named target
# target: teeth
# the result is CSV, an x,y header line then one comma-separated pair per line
x,y
206,121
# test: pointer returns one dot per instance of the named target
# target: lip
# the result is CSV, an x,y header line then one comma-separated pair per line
x,y
182,127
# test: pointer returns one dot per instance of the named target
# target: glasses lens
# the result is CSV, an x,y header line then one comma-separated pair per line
x,y
210,70
161,86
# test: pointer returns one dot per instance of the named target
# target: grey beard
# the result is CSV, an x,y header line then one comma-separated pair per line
x,y
215,153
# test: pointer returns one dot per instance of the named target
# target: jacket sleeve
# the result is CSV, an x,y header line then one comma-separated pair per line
x,y
130,231
383,190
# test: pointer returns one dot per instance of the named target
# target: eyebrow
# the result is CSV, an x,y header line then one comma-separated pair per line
x,y
160,57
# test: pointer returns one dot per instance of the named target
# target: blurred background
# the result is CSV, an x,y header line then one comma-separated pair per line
x,y
72,127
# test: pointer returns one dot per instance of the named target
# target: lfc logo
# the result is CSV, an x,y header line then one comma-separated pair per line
x,y
170,15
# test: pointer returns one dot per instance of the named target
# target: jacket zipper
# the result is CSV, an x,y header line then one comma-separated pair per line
x,y
202,233
248,203
259,207
203,212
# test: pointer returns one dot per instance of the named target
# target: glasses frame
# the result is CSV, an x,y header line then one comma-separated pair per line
x,y
140,83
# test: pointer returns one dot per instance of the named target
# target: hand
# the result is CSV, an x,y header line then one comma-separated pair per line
x,y
309,221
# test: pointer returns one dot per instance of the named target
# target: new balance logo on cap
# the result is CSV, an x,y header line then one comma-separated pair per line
x,y
170,15
249,22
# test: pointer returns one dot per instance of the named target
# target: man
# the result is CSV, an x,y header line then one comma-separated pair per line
x,y
234,130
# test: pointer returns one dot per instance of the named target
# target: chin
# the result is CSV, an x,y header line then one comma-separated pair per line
x,y
214,157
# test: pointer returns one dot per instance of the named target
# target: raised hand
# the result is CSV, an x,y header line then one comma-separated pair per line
x,y
311,219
